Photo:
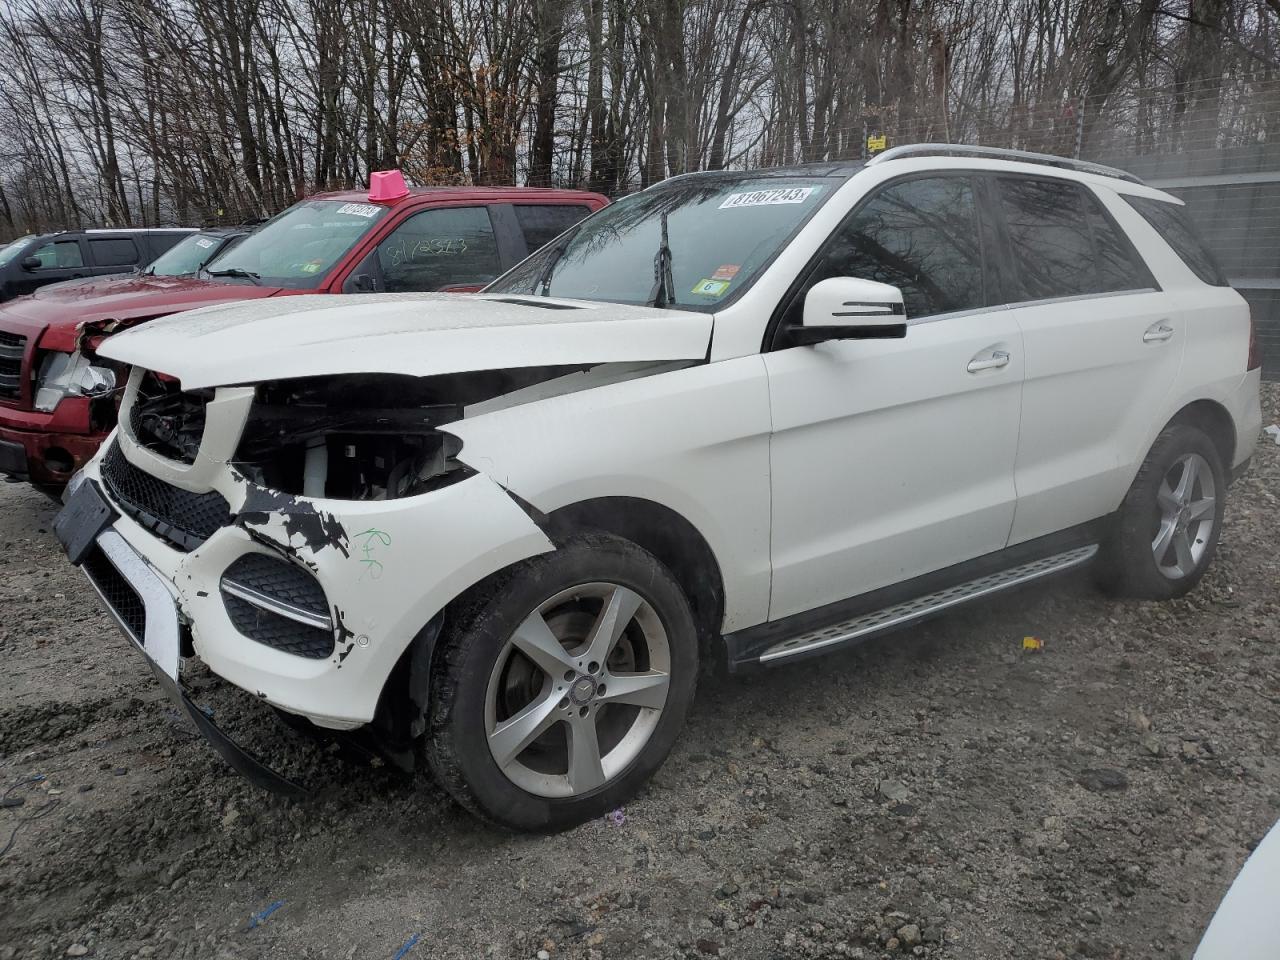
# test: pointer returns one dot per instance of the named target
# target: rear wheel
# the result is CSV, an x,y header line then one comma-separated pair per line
x,y
1170,519
563,685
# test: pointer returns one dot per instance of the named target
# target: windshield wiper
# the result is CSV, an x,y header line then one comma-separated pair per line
x,y
664,288
238,274
543,282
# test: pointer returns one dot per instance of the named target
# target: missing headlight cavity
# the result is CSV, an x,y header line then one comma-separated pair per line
x,y
167,419
367,437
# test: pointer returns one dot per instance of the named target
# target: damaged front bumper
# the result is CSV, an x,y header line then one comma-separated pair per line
x,y
381,570
384,569
46,449
144,611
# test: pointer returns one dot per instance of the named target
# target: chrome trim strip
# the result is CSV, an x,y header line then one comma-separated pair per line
x,y
927,605
274,605
1020,304
161,643
1082,296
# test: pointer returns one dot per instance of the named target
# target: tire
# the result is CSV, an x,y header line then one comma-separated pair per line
x,y
1164,539
490,699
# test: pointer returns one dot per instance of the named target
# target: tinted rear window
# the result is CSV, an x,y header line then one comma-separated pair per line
x,y
542,223
113,252
1172,224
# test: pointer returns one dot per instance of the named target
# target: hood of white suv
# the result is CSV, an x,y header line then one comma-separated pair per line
x,y
415,334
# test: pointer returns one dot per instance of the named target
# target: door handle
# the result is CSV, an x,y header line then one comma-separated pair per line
x,y
998,358
1157,332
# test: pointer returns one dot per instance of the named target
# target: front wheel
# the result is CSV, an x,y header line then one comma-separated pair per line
x,y
1170,519
562,684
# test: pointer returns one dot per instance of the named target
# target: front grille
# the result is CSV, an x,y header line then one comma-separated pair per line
x,y
12,348
178,516
119,596
269,589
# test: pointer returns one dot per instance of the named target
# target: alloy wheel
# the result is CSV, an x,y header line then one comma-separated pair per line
x,y
1186,506
577,690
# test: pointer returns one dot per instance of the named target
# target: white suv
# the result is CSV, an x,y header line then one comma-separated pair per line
x,y
749,416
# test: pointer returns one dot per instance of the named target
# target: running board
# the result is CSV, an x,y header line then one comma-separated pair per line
x,y
909,611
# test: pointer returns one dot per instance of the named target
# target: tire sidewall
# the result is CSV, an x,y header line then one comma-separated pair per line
x,y
580,561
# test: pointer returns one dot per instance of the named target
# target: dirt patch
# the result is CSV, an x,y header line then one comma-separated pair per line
x,y
938,793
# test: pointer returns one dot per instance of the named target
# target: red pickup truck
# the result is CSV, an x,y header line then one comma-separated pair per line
x,y
58,399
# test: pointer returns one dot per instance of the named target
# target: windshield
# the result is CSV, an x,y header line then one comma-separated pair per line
x,y
721,231
185,258
14,248
300,246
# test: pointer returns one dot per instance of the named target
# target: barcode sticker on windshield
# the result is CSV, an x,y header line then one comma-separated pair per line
x,y
360,209
761,198
204,244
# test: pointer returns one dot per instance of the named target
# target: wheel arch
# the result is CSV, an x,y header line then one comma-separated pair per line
x,y
1216,422
663,532
666,534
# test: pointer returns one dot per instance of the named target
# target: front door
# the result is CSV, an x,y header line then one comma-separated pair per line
x,y
894,458
59,260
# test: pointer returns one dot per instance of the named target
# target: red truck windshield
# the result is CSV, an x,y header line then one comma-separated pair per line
x,y
299,247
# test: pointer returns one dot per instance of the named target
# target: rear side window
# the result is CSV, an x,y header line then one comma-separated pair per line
x,y
1172,224
114,252
542,223
921,236
1064,245
448,246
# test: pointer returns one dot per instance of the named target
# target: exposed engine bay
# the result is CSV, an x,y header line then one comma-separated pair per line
x,y
347,437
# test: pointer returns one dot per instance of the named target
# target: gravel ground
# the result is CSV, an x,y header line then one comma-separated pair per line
x,y
938,793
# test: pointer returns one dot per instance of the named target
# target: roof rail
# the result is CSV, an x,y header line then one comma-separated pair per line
x,y
1000,153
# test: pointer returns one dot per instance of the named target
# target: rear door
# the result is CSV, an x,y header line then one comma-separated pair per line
x,y
1103,348
891,459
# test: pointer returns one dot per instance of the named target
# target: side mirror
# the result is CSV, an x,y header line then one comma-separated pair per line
x,y
367,276
846,308
32,263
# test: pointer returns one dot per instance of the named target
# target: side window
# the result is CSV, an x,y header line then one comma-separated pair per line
x,y
59,254
1052,249
542,223
1172,224
440,248
116,252
1064,244
922,236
